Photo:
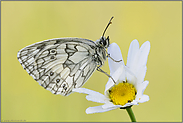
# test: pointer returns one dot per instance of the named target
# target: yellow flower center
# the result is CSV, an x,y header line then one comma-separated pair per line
x,y
122,93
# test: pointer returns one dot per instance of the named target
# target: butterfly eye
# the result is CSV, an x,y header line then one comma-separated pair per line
x,y
101,42
104,42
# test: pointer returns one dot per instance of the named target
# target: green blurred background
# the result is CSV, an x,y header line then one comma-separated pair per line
x,y
24,23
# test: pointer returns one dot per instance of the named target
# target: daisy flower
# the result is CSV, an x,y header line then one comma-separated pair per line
x,y
129,85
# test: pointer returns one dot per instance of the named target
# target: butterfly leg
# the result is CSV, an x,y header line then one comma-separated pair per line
x,y
100,70
108,55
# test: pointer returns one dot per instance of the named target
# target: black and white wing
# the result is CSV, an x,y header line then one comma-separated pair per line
x,y
59,65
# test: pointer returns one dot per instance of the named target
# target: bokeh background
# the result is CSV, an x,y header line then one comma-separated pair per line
x,y
25,23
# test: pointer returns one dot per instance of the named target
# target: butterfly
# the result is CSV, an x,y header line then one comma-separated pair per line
x,y
61,64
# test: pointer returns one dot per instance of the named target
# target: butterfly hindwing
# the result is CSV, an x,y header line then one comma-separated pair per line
x,y
59,65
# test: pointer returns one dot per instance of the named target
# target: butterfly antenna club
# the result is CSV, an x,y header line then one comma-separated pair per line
x,y
108,25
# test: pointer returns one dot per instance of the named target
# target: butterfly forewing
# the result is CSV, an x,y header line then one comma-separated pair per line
x,y
59,65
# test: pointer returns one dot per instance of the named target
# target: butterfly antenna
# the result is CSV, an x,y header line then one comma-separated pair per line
x,y
107,25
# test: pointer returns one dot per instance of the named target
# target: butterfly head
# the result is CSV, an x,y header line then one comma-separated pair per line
x,y
103,42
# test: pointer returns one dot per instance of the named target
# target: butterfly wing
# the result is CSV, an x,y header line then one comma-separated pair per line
x,y
59,65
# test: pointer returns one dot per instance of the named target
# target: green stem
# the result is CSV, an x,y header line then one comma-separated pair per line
x,y
130,112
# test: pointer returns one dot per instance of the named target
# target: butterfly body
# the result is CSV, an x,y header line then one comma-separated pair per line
x,y
61,64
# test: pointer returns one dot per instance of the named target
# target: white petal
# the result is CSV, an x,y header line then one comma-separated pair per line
x,y
127,104
141,74
116,75
97,98
115,53
144,98
109,84
110,105
137,58
131,77
140,97
141,87
92,95
83,90
144,52
133,49
97,109
134,102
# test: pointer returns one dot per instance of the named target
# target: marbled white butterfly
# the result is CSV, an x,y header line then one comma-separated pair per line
x,y
61,64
